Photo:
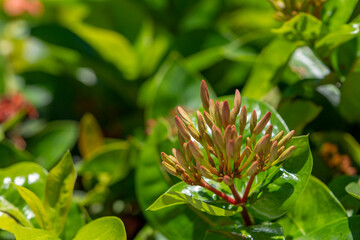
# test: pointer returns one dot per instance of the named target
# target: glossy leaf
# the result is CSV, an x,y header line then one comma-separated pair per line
x,y
110,159
353,189
36,206
90,135
110,228
23,233
255,232
350,101
198,197
28,175
51,143
58,193
343,228
316,200
336,13
307,65
265,72
334,39
283,185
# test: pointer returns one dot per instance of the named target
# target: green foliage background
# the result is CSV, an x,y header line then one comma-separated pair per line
x,y
106,76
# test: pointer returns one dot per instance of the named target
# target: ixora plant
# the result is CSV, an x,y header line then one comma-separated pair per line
x,y
230,163
224,159
38,205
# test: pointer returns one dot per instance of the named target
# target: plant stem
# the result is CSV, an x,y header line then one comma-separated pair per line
x,y
246,217
235,193
244,212
247,190
217,192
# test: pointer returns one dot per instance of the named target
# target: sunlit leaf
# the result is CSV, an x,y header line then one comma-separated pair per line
x,y
336,13
316,200
307,65
23,233
110,228
302,27
344,228
58,193
353,189
266,71
28,175
283,185
334,39
200,198
36,206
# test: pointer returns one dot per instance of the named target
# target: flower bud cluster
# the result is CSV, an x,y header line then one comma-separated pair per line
x,y
286,9
216,148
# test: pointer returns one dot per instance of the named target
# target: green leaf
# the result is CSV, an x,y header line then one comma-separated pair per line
x,y
265,72
7,207
200,198
338,185
255,232
297,114
334,39
343,228
23,233
110,159
10,155
51,143
160,94
109,44
316,200
36,206
353,189
109,228
350,101
90,135
152,180
302,27
58,193
74,221
283,185
336,12
28,175
307,65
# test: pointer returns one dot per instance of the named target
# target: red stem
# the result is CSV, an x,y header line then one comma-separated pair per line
x,y
220,194
235,194
247,190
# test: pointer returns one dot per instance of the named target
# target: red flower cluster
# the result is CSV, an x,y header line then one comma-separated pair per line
x,y
18,7
11,105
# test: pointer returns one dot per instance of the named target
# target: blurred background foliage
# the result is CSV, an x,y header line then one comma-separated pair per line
x,y
101,78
